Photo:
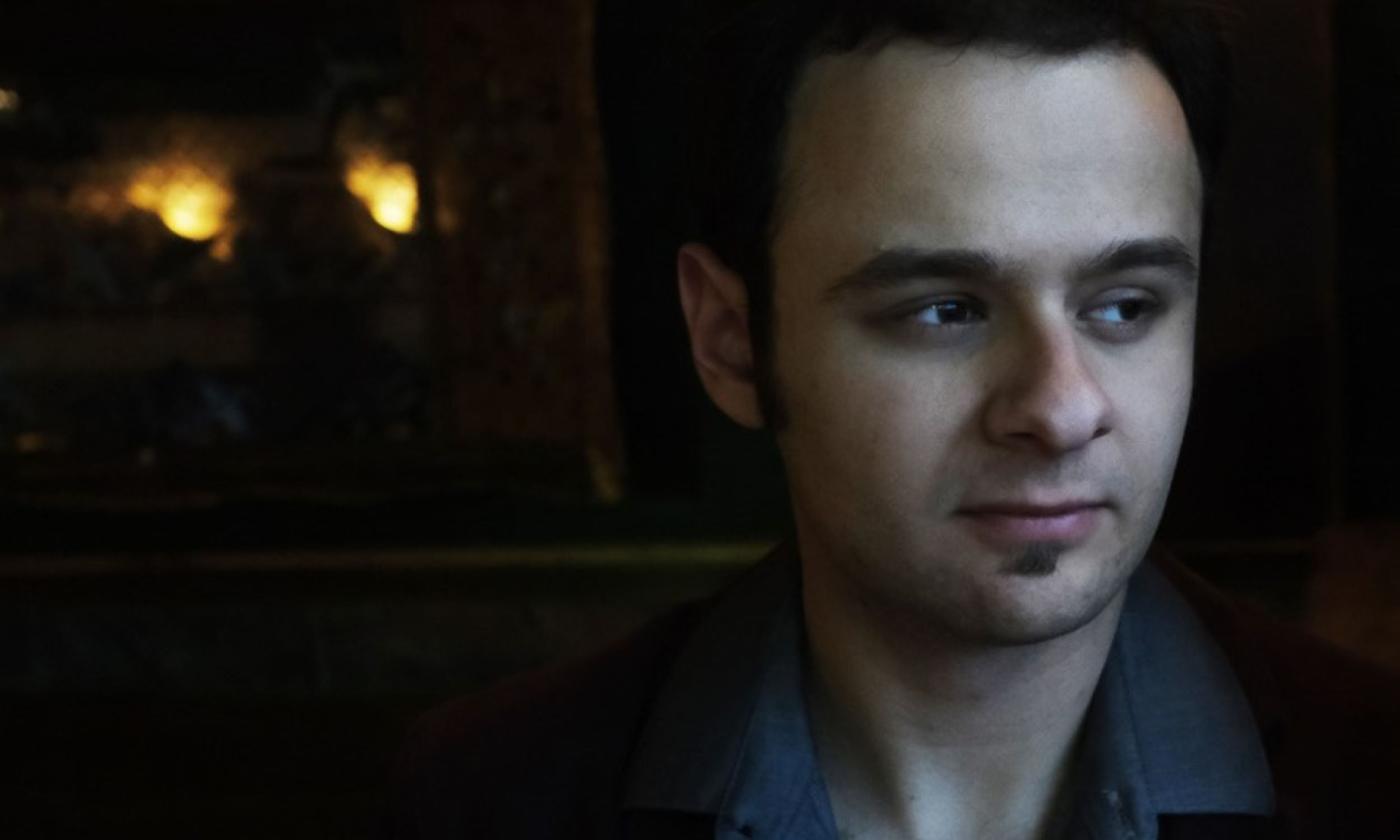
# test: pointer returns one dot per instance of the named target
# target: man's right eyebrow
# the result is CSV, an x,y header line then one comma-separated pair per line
x,y
896,266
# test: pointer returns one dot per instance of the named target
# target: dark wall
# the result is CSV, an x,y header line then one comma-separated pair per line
x,y
1368,189
1260,457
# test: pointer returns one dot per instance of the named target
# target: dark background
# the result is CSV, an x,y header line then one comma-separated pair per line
x,y
227,638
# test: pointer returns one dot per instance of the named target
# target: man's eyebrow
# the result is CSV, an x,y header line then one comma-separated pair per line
x,y
1166,252
894,266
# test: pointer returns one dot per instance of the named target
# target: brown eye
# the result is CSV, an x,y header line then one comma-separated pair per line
x,y
1124,319
948,313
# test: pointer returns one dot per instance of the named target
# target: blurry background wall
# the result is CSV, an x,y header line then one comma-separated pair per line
x,y
341,371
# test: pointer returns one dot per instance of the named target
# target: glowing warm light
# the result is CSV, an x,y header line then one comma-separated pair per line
x,y
9,100
388,189
191,202
223,249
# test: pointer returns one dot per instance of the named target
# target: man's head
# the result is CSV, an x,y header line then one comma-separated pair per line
x,y
961,284
751,55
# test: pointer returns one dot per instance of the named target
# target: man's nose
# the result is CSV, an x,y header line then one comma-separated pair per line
x,y
1045,398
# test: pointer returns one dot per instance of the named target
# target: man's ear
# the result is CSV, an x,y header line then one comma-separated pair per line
x,y
716,306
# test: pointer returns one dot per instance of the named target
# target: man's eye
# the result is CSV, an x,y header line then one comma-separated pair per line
x,y
1123,320
948,313
1122,311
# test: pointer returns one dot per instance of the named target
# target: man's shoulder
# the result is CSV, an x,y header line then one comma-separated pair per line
x,y
1330,722
1292,676
540,753
543,702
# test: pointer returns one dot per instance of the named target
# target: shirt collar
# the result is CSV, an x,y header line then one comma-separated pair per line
x,y
728,735
1169,730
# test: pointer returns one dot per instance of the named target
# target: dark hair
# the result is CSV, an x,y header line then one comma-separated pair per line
x,y
751,53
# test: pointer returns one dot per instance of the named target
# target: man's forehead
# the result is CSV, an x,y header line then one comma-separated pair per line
x,y
961,105
922,131
1042,162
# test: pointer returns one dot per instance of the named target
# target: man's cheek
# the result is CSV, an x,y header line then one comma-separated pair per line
x,y
868,408
895,434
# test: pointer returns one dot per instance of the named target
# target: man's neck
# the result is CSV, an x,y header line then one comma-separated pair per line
x,y
920,735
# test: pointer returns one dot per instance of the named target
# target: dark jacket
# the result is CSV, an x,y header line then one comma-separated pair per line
x,y
545,755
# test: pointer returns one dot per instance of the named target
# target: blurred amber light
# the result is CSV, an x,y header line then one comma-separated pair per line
x,y
9,100
388,189
190,201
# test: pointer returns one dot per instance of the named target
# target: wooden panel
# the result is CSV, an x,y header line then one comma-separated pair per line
x,y
516,194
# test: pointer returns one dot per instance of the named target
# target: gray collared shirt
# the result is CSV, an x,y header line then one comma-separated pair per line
x,y
1168,731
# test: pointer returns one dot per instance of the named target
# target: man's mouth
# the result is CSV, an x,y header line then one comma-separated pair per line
x,y
1013,524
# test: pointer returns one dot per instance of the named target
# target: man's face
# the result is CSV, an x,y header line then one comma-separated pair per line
x,y
984,297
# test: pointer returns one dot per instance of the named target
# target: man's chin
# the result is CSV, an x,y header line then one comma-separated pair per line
x,y
1044,592
1037,628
